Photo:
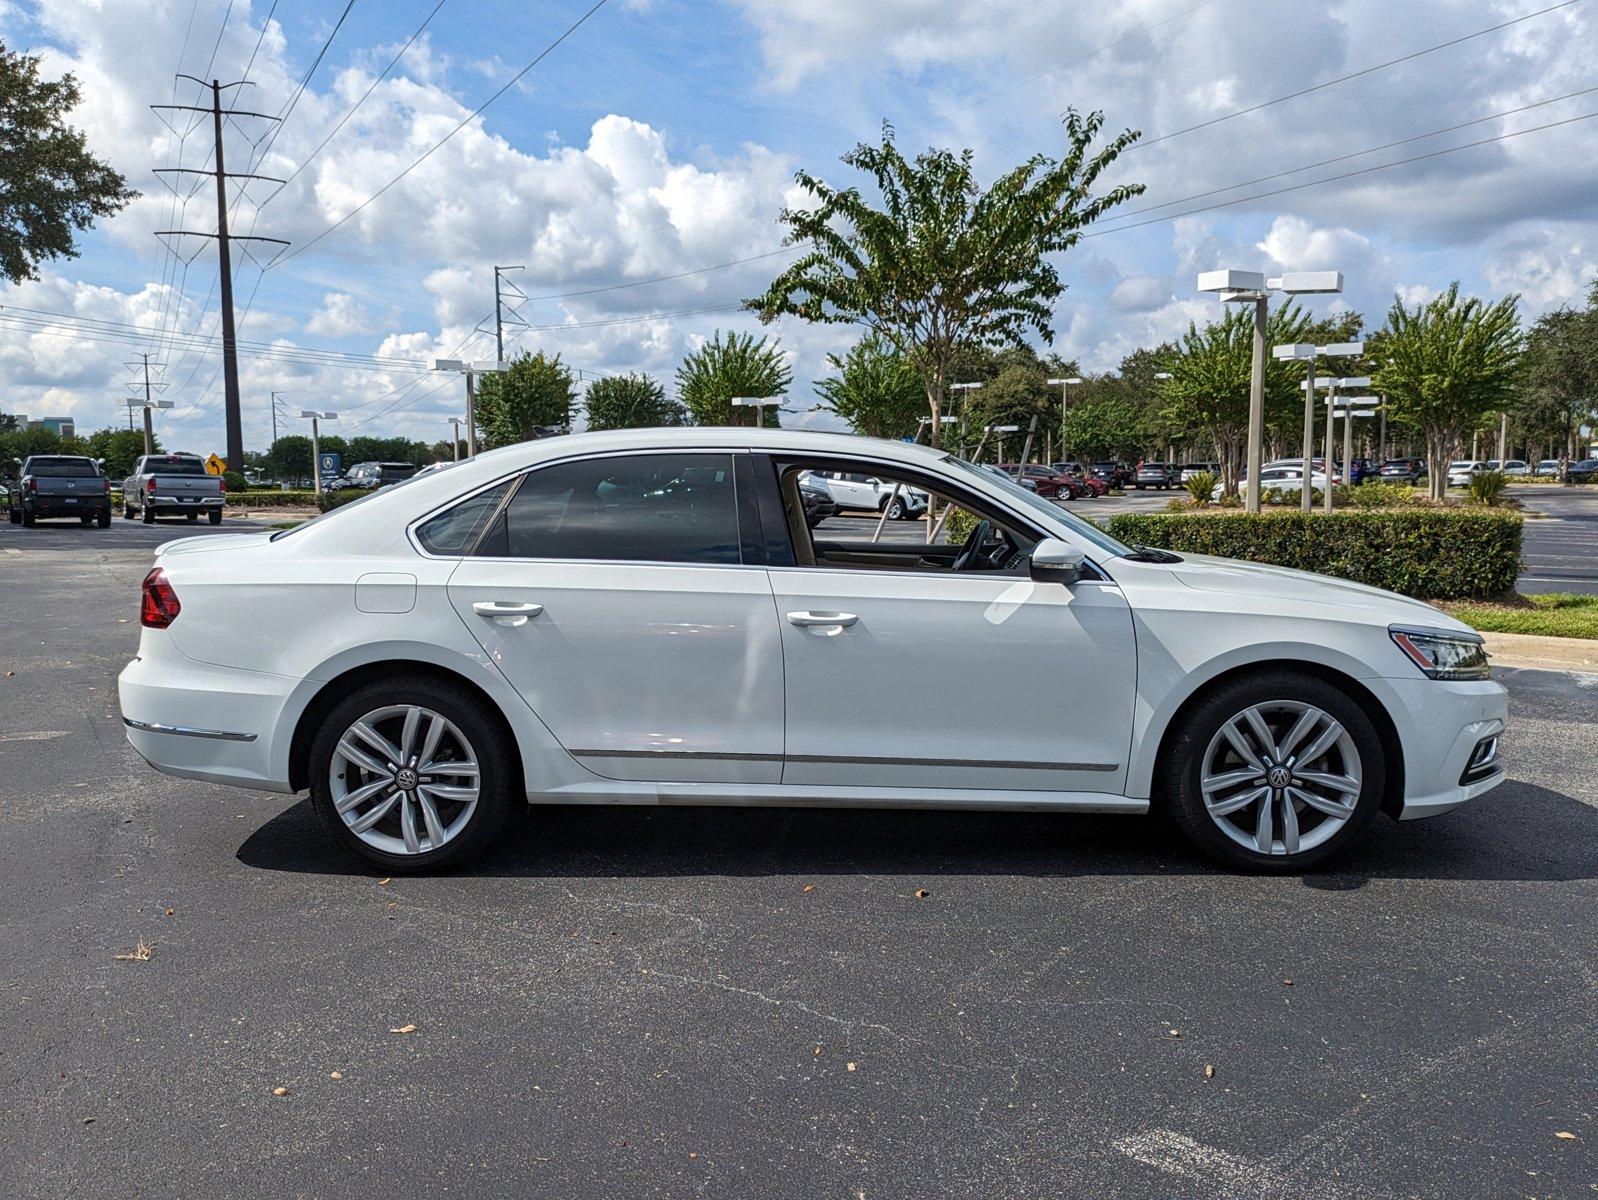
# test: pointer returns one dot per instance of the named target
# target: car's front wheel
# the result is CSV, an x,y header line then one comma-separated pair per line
x,y
1278,772
413,774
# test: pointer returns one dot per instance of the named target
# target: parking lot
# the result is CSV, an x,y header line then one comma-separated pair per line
x,y
761,1003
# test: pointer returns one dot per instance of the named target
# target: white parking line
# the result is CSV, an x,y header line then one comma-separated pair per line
x,y
43,735
13,550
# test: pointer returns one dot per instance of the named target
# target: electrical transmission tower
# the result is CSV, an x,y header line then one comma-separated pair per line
x,y
224,240
505,308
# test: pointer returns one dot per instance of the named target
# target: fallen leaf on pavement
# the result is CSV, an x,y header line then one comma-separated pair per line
x,y
140,954
280,1091
810,887
170,911
816,1053
385,882
922,893
335,1074
1566,1134
850,1066
1209,1071
404,1029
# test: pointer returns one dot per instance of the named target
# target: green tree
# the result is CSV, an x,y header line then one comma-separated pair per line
x,y
1208,392
1559,376
1105,420
289,458
631,402
875,390
120,448
740,365
1446,363
8,423
944,262
52,185
533,397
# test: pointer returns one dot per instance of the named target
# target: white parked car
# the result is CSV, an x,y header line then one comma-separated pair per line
x,y
858,492
1278,478
1546,467
643,617
1460,471
1512,467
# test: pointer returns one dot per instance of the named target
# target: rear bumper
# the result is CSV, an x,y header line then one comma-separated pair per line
x,y
61,506
186,503
209,723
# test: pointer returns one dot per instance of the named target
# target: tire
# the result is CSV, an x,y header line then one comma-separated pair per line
x,y
214,516
1280,697
147,514
15,514
895,510
191,517
86,521
127,513
103,518
27,518
476,727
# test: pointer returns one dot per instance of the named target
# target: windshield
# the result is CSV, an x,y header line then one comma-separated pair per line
x,y
174,466
344,508
1032,502
62,468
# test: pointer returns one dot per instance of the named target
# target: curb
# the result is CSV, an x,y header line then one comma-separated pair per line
x,y
1542,653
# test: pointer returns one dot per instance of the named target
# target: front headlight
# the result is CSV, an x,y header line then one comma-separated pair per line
x,y
1443,654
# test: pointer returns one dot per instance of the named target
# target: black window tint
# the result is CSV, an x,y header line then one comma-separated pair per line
x,y
455,530
638,508
62,468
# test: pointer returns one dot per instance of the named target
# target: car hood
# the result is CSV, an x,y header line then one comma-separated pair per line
x,y
214,541
1258,581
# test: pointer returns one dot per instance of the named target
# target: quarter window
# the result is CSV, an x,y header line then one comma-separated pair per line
x,y
677,508
455,530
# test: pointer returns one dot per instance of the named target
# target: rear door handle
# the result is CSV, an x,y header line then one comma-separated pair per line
x,y
506,612
806,620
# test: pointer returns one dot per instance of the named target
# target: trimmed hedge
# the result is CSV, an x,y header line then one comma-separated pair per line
x,y
298,498
1428,553
331,500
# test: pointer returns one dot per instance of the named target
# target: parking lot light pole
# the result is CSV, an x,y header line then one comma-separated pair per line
x,y
455,437
149,406
1242,287
758,403
316,443
1065,386
964,389
1353,406
471,370
1307,354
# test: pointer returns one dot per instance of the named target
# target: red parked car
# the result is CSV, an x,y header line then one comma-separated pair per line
x,y
1049,483
1083,479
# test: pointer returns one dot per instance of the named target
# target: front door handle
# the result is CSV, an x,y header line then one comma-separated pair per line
x,y
506,612
807,620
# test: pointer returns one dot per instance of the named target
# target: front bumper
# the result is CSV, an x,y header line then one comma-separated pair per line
x,y
1440,725
209,723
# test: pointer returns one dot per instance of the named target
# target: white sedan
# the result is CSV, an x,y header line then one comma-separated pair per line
x,y
1279,479
1461,471
644,617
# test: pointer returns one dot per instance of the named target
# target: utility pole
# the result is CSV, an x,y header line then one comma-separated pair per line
x,y
455,437
275,395
499,310
224,240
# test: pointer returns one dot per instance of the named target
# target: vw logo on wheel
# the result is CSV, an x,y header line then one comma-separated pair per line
x,y
1279,777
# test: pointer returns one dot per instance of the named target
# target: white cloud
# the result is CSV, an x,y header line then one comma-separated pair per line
x,y
341,315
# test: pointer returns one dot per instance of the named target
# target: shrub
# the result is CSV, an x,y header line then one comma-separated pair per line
x,y
1200,485
1383,495
1428,553
1487,488
235,481
262,498
328,501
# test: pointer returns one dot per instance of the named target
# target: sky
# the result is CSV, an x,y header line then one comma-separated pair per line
x,y
661,138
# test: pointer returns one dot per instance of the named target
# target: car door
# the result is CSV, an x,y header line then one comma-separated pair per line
x,y
612,592
940,669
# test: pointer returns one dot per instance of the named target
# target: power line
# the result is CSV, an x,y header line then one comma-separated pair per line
x,y
616,287
1503,137
350,112
1393,62
470,117
1327,162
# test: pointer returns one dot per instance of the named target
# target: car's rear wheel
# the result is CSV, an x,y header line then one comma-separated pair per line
x,y
214,516
896,509
147,514
15,514
27,517
103,517
413,774
1277,772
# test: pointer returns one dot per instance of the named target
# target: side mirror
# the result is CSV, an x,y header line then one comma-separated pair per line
x,y
1054,561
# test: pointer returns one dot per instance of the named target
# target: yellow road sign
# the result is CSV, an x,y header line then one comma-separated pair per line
x,y
214,465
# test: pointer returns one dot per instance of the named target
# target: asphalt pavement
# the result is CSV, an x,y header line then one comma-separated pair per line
x,y
755,1003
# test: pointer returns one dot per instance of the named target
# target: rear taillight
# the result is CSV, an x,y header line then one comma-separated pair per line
x,y
221,483
149,486
160,606
33,485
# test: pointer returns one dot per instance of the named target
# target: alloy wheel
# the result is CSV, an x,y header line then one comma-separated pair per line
x,y
1281,777
404,779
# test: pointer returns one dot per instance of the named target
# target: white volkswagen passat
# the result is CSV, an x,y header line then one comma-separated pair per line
x,y
645,617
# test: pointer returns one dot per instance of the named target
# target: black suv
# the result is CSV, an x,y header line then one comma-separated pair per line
x,y
1404,470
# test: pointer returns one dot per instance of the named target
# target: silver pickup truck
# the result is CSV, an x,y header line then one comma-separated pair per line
x,y
172,484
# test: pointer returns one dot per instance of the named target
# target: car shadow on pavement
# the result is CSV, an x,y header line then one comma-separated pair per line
x,y
1518,832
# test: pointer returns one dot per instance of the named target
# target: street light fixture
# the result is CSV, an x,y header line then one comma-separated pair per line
x,y
1305,353
316,443
487,366
1241,287
758,403
149,406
